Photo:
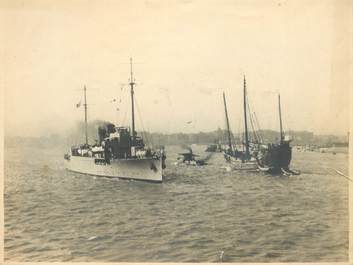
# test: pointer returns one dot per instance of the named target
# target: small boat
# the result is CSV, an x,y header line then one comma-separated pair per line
x,y
214,148
211,148
189,158
119,153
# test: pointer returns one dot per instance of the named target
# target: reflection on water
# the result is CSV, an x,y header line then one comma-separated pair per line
x,y
194,215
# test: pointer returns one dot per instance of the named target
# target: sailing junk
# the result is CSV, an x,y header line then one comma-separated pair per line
x,y
276,158
233,154
119,152
271,158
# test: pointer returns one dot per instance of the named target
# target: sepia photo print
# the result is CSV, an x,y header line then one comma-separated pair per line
x,y
195,131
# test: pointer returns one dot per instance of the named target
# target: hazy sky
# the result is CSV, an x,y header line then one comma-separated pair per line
x,y
186,53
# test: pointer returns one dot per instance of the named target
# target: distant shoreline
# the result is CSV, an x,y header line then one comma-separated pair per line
x,y
300,138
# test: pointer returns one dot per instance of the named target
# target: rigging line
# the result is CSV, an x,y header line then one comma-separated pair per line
x,y
118,101
139,115
258,126
281,116
242,133
253,127
239,127
254,120
124,117
224,133
285,123
251,121
116,109
122,97
341,174
144,132
248,110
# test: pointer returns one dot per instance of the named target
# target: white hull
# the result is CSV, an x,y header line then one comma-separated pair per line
x,y
147,169
239,165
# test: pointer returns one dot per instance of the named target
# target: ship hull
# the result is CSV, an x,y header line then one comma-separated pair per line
x,y
146,169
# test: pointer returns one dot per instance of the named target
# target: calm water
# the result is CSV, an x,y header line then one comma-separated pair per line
x,y
54,215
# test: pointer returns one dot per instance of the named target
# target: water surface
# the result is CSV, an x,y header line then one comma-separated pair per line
x,y
197,212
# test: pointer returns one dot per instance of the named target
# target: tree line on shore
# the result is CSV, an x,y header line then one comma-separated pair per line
x,y
76,136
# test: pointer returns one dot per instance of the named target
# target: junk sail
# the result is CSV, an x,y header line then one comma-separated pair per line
x,y
119,152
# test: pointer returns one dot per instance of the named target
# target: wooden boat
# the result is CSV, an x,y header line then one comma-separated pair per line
x,y
240,159
275,158
189,158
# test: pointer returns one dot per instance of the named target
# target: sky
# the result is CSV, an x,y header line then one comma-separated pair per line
x,y
185,54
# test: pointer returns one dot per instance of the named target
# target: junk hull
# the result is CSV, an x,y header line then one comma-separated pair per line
x,y
275,158
147,169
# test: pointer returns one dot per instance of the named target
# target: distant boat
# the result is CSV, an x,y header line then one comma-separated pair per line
x,y
212,148
119,153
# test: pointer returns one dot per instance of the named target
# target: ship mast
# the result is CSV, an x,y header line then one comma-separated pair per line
x,y
132,83
247,152
280,118
85,105
227,121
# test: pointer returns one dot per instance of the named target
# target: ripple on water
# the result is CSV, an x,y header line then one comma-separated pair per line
x,y
54,215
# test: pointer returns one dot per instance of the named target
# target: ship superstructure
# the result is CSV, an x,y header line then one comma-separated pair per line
x,y
119,152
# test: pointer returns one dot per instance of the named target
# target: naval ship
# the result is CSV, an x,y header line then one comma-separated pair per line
x,y
119,153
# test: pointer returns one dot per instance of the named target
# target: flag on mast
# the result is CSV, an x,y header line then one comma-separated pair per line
x,y
78,105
